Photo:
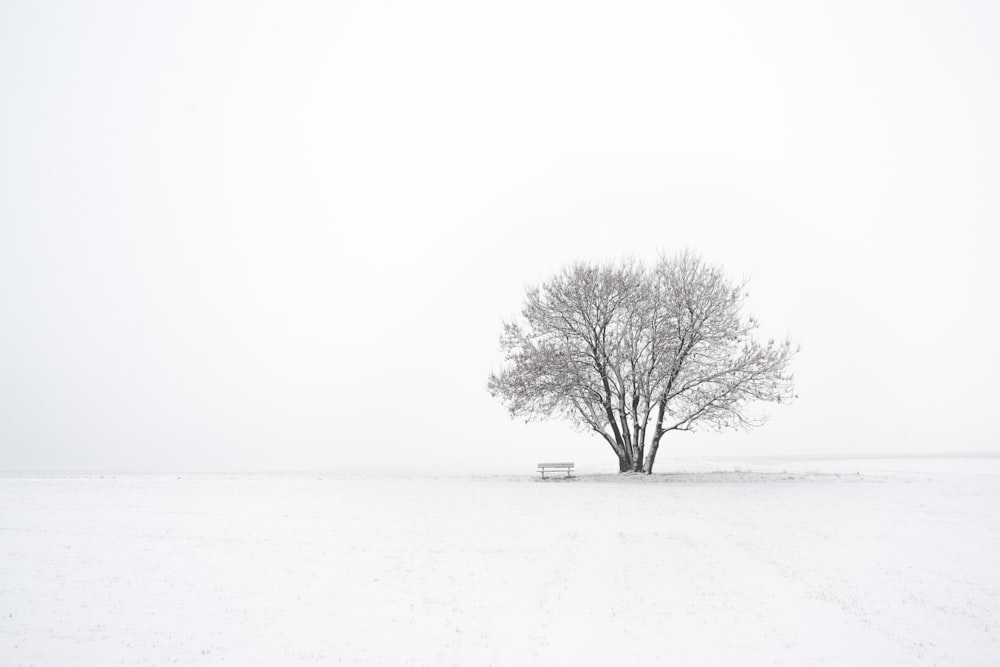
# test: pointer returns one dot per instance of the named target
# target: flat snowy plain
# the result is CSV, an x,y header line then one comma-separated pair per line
x,y
843,562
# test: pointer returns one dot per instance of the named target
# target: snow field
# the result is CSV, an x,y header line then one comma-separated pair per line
x,y
792,564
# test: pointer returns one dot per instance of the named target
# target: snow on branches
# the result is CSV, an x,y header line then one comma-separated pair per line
x,y
632,353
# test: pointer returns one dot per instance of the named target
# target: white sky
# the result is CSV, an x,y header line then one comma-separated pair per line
x,y
261,235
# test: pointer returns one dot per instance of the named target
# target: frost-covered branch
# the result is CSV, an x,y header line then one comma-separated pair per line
x,y
612,347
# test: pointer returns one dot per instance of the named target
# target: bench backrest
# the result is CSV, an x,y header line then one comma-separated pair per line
x,y
555,465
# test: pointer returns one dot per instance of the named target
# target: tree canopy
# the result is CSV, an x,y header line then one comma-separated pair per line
x,y
632,353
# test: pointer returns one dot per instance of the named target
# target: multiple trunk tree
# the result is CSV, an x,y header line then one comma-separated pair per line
x,y
633,353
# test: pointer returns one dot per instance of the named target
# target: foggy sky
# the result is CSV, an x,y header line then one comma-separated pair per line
x,y
284,235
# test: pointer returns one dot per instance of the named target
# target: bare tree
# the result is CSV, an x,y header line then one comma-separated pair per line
x,y
632,353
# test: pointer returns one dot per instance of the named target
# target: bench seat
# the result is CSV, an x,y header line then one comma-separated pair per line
x,y
558,467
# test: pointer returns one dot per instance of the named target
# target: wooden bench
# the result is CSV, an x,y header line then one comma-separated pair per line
x,y
568,467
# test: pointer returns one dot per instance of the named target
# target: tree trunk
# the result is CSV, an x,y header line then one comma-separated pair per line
x,y
657,434
638,435
623,454
642,444
626,436
651,454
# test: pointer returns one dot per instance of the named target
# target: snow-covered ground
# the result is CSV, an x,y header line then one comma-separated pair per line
x,y
766,562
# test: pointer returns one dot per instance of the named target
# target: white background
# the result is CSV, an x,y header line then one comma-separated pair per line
x,y
284,235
